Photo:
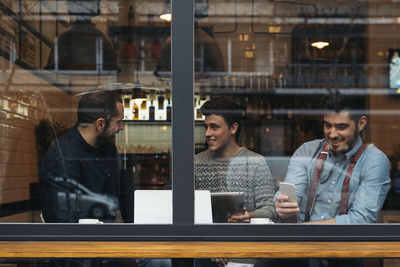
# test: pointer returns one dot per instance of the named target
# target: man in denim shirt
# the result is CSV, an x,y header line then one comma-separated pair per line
x,y
336,187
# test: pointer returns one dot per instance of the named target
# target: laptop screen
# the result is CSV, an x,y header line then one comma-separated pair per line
x,y
155,207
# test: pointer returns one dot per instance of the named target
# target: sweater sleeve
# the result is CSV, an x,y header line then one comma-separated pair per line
x,y
264,190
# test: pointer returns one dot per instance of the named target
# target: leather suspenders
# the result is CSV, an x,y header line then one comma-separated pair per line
x,y
317,175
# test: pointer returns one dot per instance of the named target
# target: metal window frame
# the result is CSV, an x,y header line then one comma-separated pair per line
x,y
183,228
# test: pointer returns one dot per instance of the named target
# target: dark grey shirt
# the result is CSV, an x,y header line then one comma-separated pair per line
x,y
98,169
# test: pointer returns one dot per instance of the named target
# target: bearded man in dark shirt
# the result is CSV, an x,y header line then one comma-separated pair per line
x,y
86,156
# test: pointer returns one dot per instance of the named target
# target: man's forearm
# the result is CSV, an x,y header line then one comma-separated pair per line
x,y
329,221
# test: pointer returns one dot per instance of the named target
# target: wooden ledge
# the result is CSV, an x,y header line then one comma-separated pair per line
x,y
50,249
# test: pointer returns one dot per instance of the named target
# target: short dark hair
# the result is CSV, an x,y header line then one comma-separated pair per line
x,y
226,108
336,101
97,104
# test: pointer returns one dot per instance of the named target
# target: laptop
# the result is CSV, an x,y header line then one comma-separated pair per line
x,y
155,207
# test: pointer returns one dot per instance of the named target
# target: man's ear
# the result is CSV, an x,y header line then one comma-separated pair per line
x,y
362,122
234,128
100,124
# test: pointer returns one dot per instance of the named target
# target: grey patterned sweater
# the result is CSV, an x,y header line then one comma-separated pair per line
x,y
246,171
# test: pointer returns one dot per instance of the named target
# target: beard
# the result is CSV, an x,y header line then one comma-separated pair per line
x,y
349,144
105,138
353,141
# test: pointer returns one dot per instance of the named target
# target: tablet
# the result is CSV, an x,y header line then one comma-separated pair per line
x,y
226,204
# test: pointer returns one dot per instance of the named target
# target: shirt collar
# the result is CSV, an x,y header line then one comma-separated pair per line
x,y
82,140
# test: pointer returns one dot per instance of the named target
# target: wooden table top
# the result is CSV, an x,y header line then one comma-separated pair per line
x,y
50,249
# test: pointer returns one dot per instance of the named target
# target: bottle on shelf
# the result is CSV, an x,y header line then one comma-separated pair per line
x,y
144,112
143,105
251,81
273,81
199,114
160,114
267,85
169,110
127,106
135,111
242,82
235,82
160,101
151,111
168,107
259,85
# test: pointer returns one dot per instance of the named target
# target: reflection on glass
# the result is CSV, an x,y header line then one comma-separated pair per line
x,y
280,62
52,55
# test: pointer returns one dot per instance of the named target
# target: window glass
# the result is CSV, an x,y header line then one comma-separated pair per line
x,y
189,262
268,70
53,54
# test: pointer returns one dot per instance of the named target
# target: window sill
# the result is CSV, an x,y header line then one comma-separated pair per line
x,y
50,249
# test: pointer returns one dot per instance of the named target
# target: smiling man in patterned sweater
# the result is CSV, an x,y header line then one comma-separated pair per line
x,y
227,167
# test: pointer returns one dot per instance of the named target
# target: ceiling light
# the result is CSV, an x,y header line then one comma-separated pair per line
x,y
166,16
320,44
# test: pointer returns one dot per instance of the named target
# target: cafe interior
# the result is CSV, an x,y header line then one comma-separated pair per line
x,y
276,59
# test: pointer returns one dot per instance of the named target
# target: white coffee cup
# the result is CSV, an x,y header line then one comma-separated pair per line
x,y
261,221
90,221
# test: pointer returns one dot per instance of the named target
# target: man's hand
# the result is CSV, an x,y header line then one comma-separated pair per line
x,y
243,217
285,208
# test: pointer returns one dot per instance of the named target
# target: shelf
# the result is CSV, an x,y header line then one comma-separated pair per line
x,y
147,122
146,154
161,123
140,31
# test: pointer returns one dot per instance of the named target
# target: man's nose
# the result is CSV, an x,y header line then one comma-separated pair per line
x,y
207,132
332,133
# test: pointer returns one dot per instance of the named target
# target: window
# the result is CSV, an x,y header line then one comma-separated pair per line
x,y
277,78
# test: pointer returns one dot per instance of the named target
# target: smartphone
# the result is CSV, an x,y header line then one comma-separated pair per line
x,y
288,190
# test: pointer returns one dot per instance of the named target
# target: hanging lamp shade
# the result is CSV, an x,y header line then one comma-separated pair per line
x,y
82,47
166,13
208,56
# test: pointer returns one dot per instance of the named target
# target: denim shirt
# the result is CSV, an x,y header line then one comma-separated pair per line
x,y
369,184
